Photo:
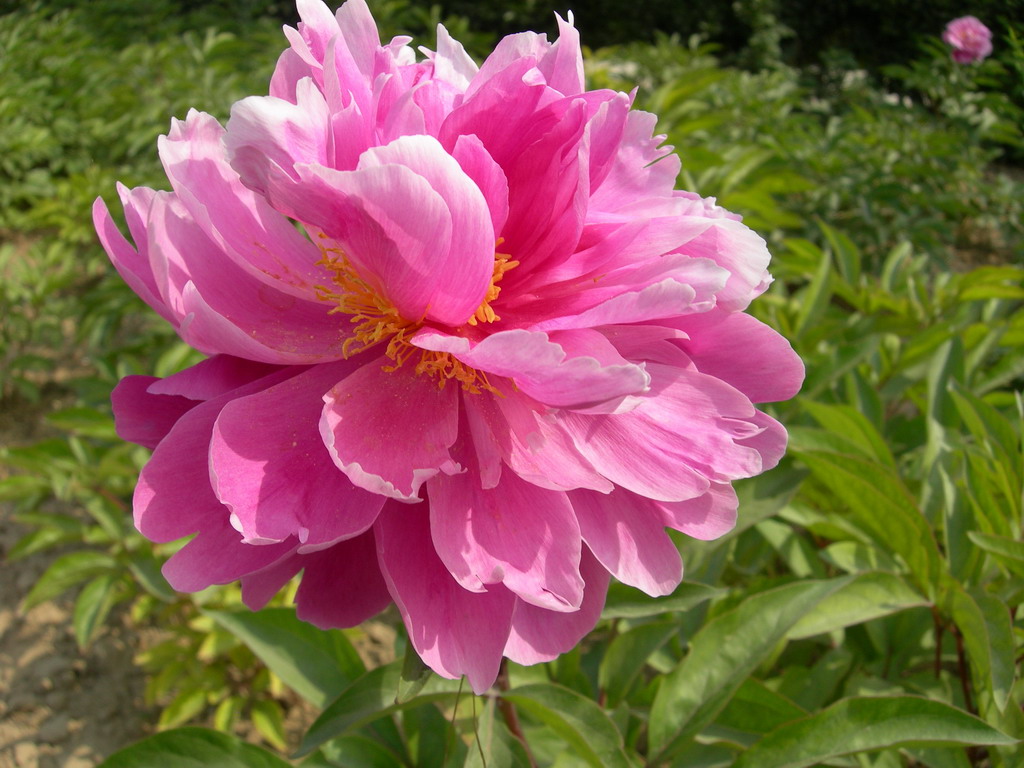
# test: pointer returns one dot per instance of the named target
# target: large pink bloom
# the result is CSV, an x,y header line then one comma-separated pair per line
x,y
497,359
969,38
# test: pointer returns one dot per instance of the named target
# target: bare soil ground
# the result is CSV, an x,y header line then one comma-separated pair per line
x,y
59,707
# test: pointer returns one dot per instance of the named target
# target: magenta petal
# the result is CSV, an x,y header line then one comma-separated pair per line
x,y
390,431
213,377
516,534
538,635
743,352
707,517
180,462
141,417
259,587
541,368
456,632
218,556
627,534
342,586
271,469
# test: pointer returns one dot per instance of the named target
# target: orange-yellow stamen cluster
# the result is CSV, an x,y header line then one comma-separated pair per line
x,y
502,264
375,319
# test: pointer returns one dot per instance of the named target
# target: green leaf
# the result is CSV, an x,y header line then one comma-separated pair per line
x,y
415,675
145,567
268,719
884,509
846,253
868,596
495,746
92,607
628,654
185,706
857,725
629,603
1008,552
84,421
65,572
192,748
316,663
722,655
370,697
577,719
756,709
852,425
815,298
984,622
353,751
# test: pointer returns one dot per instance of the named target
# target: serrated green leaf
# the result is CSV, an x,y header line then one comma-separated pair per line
x,y
370,697
576,719
192,748
722,654
65,572
317,664
868,596
627,655
629,603
858,725
92,607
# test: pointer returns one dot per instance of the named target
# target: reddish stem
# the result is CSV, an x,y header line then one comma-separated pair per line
x,y
508,712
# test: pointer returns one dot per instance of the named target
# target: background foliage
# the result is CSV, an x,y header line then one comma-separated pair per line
x,y
865,610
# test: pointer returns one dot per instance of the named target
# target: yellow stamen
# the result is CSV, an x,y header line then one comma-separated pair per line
x,y
502,264
376,319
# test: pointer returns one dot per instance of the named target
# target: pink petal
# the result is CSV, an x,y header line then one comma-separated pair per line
x,y
538,635
342,586
769,441
260,587
627,534
532,444
478,164
247,230
133,267
741,251
515,534
144,418
180,462
233,311
212,377
218,556
398,233
707,517
456,632
271,469
390,431
540,367
743,352
562,64
685,432
643,174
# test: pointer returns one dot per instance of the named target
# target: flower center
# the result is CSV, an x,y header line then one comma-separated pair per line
x,y
375,319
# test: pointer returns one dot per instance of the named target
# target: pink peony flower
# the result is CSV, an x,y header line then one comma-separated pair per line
x,y
970,39
497,358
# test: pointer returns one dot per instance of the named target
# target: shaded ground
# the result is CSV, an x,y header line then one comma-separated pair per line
x,y
60,707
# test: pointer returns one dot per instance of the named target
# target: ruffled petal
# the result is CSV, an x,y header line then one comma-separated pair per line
x,y
538,635
390,431
456,632
707,517
144,418
516,534
627,534
271,468
541,367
